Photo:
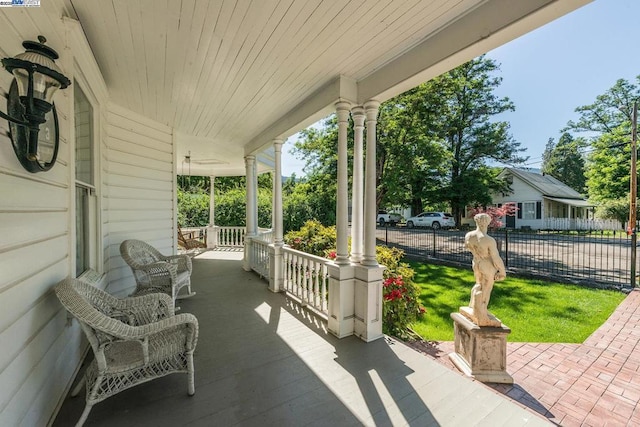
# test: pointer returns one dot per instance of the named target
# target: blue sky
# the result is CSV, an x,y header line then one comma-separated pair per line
x,y
549,72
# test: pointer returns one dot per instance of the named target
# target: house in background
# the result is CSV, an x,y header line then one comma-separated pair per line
x,y
211,88
545,203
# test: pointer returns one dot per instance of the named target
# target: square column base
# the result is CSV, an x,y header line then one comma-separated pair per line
x,y
276,279
340,304
212,236
480,352
368,302
246,260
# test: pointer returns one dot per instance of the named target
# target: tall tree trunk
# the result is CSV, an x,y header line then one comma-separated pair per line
x,y
416,206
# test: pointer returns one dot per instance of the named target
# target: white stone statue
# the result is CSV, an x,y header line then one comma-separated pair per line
x,y
487,268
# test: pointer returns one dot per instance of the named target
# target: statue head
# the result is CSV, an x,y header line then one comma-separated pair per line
x,y
482,220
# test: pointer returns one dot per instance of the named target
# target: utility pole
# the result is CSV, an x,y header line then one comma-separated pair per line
x,y
633,193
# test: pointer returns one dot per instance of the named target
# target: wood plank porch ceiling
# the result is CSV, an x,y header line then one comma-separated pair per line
x,y
221,72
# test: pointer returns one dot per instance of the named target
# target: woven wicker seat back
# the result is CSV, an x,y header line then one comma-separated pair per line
x,y
134,339
155,272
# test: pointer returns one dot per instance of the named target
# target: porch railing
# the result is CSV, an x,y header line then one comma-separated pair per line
x,y
306,277
265,234
230,237
259,254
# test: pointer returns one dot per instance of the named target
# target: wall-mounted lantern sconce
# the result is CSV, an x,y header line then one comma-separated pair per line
x,y
33,121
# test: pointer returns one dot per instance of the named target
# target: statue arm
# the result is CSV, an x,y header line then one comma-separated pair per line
x,y
497,262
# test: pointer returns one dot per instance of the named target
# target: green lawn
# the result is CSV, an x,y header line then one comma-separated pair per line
x,y
535,310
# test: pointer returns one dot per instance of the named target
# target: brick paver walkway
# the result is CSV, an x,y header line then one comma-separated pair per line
x,y
596,383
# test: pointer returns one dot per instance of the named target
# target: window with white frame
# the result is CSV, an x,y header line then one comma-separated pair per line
x,y
85,186
529,210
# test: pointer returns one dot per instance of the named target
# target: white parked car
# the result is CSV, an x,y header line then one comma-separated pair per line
x,y
385,217
434,220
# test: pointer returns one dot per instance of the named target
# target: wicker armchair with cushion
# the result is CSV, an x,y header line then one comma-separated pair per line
x,y
134,340
155,272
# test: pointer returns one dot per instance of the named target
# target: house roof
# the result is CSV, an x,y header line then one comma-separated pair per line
x,y
545,184
571,202
230,76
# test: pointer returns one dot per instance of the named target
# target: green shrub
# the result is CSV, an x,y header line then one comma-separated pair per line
x,y
313,238
401,306
193,209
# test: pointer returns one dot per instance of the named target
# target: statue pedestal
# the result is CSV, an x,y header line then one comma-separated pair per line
x,y
480,352
490,320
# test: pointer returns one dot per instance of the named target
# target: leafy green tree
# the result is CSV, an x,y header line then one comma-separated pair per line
x,y
231,208
467,130
565,161
319,147
410,163
617,209
608,167
607,126
434,142
313,198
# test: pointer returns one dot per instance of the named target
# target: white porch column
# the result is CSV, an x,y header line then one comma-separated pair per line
x,y
342,202
252,195
212,229
357,200
276,277
252,208
341,272
369,257
212,201
368,275
278,231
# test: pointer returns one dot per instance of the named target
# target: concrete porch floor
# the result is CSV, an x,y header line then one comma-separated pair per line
x,y
262,360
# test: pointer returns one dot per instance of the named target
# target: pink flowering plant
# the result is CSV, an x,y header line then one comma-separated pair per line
x,y
496,213
332,255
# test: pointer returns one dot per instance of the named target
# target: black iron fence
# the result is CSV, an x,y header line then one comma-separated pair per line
x,y
598,258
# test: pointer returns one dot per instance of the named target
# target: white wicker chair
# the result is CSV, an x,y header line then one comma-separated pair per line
x,y
134,339
155,272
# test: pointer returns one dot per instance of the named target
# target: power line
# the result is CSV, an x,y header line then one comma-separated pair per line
x,y
589,150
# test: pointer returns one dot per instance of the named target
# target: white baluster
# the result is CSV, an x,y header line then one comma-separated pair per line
x,y
323,289
316,283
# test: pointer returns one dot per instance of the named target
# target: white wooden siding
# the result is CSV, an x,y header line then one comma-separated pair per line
x,y
522,192
139,188
38,357
41,347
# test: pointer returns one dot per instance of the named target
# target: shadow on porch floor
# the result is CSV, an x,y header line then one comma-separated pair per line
x,y
262,360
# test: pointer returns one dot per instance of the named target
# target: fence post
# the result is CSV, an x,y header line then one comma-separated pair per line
x,y
434,242
386,235
634,248
506,248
